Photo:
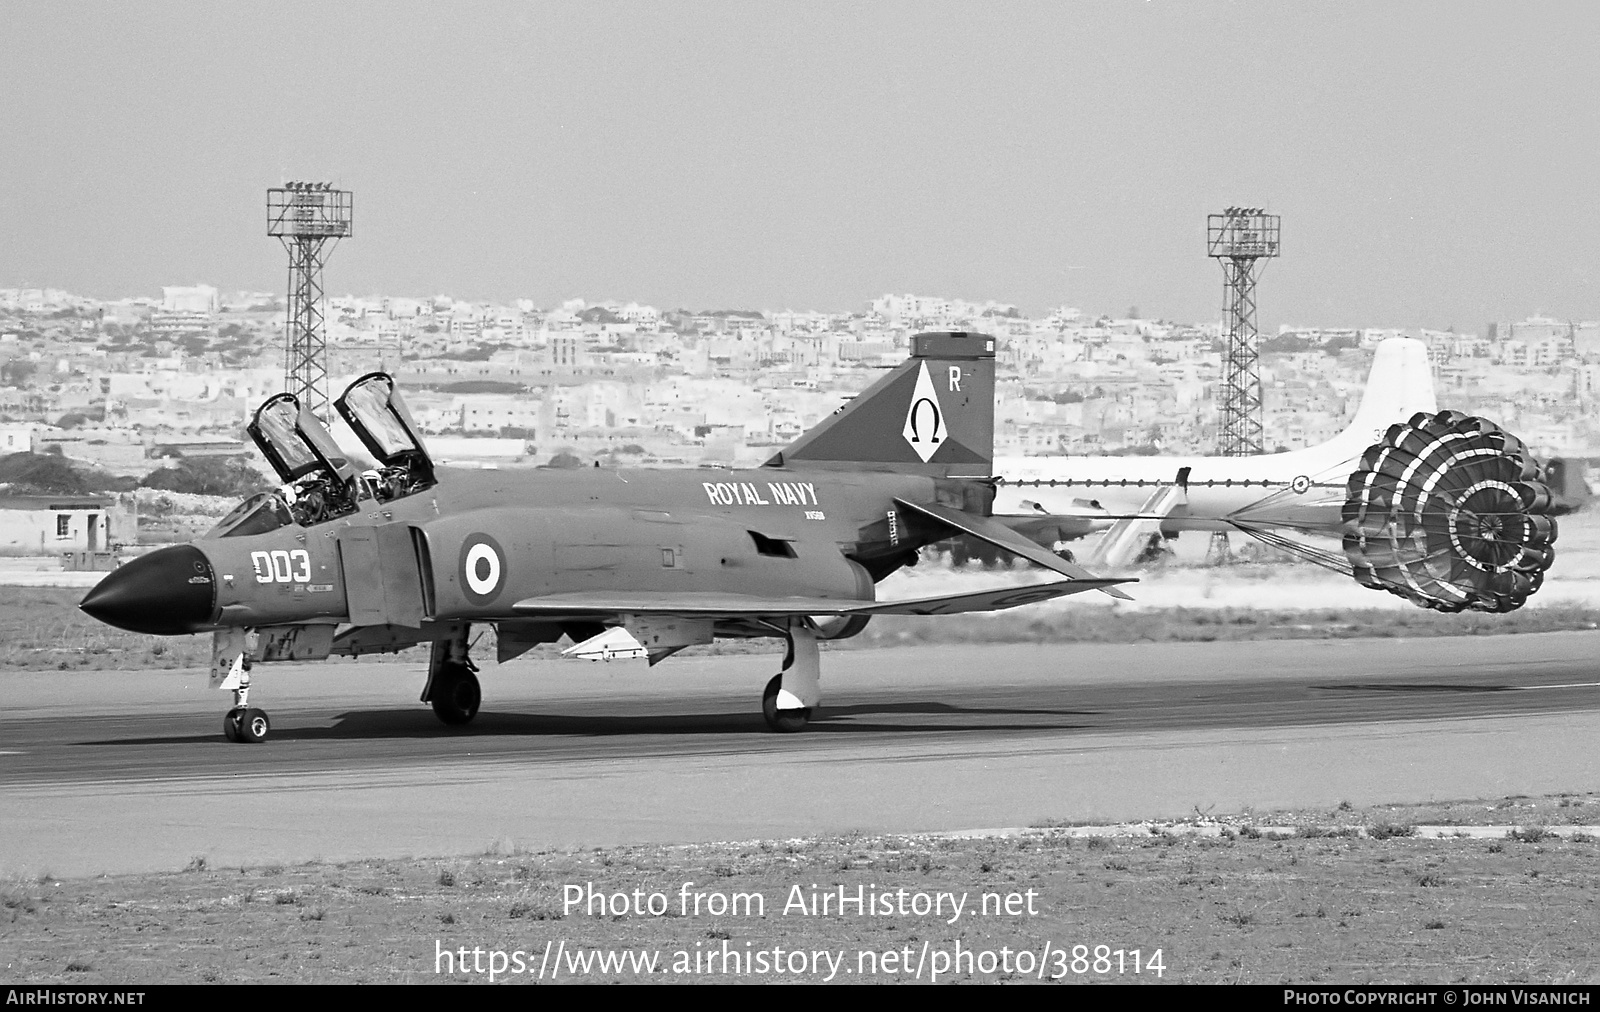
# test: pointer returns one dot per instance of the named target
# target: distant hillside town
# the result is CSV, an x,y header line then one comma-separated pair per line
x,y
123,385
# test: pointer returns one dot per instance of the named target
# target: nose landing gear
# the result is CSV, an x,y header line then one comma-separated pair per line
x,y
243,723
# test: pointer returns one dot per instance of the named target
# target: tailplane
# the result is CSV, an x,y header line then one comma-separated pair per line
x,y
933,414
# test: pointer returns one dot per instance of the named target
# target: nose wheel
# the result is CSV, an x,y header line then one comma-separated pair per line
x,y
246,724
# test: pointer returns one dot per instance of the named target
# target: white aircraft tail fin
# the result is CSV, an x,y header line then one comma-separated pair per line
x,y
1399,386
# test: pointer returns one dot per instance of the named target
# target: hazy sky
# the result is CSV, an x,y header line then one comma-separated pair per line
x,y
1434,164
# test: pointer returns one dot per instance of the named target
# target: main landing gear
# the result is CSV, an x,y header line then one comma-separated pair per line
x,y
793,692
452,687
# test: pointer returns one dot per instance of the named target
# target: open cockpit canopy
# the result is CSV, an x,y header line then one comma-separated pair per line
x,y
294,442
377,415
319,477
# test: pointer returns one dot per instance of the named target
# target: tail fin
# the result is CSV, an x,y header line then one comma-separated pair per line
x,y
1399,386
934,414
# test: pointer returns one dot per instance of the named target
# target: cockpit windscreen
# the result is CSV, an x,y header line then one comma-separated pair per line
x,y
262,512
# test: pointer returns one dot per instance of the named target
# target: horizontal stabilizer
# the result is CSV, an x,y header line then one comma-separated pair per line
x,y
998,534
588,604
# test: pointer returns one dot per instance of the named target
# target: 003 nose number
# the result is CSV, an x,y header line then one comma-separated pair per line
x,y
282,567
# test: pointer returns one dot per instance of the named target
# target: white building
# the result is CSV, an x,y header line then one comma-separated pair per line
x,y
190,299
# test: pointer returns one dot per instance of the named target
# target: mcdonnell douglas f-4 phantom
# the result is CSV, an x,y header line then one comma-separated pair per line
x,y
341,561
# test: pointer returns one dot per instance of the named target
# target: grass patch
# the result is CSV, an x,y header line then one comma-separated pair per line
x,y
1390,831
1327,832
41,629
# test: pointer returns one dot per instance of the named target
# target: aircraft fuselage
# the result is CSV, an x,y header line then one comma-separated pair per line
x,y
480,540
1218,487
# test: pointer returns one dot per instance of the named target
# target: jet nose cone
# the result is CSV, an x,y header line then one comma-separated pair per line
x,y
168,592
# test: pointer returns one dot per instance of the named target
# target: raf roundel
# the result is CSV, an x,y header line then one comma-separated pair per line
x,y
483,568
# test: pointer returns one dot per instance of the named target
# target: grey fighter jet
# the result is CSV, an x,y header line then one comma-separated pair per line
x,y
346,561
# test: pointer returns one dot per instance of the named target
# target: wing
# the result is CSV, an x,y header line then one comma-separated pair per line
x,y
588,604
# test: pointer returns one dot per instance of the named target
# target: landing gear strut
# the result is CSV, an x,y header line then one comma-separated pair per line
x,y
452,687
793,692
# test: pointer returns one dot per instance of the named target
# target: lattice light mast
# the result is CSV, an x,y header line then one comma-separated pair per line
x,y
306,218
1240,238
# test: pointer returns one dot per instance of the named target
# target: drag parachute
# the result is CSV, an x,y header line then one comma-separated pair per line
x,y
1447,511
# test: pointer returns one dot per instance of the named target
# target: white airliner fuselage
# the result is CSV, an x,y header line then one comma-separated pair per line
x,y
1399,386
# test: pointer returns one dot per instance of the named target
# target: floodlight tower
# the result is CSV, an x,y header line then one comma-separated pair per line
x,y
305,217
1240,238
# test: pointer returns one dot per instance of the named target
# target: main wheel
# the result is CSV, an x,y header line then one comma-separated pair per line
x,y
456,695
785,721
232,724
254,725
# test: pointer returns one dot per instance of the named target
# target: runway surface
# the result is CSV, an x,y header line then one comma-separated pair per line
x,y
117,771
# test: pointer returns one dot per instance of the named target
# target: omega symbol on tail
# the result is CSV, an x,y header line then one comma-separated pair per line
x,y
925,429
483,568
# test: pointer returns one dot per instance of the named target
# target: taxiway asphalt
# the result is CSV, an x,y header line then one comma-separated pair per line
x,y
128,771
